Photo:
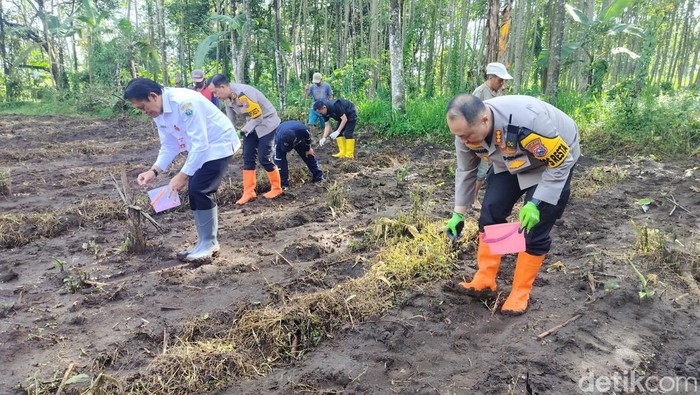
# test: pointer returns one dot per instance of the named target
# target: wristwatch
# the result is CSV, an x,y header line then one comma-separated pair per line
x,y
537,202
155,172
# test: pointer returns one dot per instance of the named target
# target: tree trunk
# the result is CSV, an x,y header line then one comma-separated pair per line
x,y
398,89
151,36
491,43
240,42
374,47
463,44
182,70
555,49
160,10
9,86
278,56
684,49
48,43
429,63
504,32
519,32
585,59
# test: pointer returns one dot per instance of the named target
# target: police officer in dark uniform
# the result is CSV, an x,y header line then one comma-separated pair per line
x,y
533,147
293,135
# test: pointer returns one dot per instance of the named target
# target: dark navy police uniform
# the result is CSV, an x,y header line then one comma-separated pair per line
x,y
293,135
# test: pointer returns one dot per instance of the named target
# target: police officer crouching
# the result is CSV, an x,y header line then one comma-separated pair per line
x,y
293,135
533,147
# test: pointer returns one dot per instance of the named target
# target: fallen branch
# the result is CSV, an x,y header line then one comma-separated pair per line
x,y
165,340
677,205
65,378
282,256
556,328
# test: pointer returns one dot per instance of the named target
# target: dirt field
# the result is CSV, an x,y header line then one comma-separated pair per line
x,y
72,296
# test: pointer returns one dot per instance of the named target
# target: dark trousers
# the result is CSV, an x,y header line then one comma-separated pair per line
x,y
311,163
255,147
203,184
349,128
503,191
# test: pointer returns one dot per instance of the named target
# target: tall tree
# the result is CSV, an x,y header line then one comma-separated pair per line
x,y
557,35
398,87
491,43
519,32
9,94
278,56
240,39
160,11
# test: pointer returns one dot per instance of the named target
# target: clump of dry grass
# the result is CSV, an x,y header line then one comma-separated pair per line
x,y
98,210
596,179
262,338
336,197
5,183
19,229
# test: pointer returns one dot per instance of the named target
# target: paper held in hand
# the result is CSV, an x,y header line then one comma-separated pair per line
x,y
160,199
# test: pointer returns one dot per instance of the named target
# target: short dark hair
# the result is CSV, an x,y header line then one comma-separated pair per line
x,y
219,80
140,88
468,106
318,104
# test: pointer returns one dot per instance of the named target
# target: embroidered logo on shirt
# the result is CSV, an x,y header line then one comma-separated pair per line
x,y
553,151
499,137
535,146
516,164
187,109
250,107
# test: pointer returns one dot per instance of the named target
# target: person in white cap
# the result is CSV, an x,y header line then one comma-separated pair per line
x,y
318,90
496,74
200,86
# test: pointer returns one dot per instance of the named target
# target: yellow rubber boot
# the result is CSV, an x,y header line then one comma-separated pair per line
x,y
341,147
248,187
484,282
349,148
275,184
526,268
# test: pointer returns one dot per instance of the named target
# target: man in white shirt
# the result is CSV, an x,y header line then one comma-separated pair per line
x,y
187,121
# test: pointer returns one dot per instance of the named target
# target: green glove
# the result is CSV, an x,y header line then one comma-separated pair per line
x,y
529,216
454,226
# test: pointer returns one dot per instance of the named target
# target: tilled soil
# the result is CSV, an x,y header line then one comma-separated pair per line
x,y
69,225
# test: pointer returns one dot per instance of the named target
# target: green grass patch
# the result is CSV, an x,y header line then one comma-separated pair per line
x,y
39,108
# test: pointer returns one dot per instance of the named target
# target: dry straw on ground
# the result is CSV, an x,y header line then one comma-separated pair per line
x,y
596,179
262,338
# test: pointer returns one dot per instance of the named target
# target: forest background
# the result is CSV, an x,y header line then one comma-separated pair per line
x,y
626,70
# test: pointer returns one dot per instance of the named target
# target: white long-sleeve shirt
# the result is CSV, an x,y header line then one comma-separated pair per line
x,y
191,123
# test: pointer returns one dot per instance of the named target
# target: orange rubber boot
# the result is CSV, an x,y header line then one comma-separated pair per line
x,y
275,184
248,187
484,282
526,268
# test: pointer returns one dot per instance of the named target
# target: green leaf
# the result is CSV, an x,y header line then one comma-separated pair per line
x,y
644,201
204,47
236,23
79,378
610,285
616,8
125,27
89,13
626,51
628,29
578,15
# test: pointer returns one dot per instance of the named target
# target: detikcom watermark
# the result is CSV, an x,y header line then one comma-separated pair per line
x,y
634,382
